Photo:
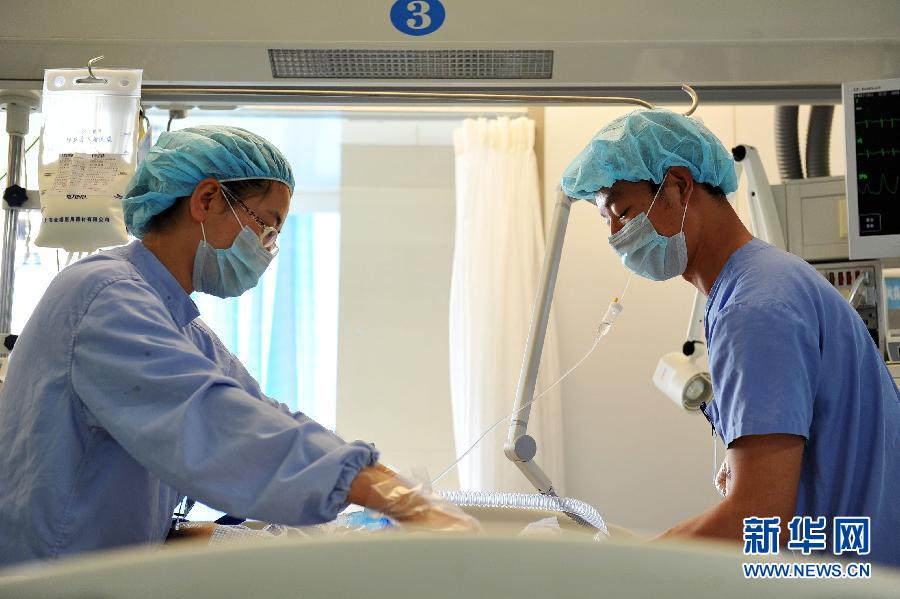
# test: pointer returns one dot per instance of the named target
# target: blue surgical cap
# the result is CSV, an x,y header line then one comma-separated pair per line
x,y
181,159
641,146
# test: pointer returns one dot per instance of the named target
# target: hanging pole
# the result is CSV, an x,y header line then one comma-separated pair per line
x,y
288,93
18,109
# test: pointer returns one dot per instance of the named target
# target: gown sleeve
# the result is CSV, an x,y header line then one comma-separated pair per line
x,y
175,412
764,361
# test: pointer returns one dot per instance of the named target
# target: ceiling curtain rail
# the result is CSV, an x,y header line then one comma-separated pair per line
x,y
153,91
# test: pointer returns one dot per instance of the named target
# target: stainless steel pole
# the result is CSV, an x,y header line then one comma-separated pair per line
x,y
19,105
15,164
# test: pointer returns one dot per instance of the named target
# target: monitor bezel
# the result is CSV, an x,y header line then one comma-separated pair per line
x,y
869,246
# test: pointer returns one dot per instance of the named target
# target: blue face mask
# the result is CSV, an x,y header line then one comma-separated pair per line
x,y
231,271
647,253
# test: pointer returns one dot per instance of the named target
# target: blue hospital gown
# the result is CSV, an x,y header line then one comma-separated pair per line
x,y
119,401
789,355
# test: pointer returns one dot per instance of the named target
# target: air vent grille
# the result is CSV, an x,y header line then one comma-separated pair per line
x,y
411,64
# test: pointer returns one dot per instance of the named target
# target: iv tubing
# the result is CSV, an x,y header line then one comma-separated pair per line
x,y
615,308
515,413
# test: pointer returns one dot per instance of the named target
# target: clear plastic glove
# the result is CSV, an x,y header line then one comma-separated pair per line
x,y
412,505
722,478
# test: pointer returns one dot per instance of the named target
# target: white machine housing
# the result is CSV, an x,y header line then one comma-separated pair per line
x,y
891,278
894,369
684,379
813,213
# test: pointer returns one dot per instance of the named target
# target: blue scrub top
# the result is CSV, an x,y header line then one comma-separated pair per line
x,y
119,401
788,354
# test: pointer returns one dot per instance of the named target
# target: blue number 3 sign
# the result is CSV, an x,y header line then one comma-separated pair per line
x,y
417,17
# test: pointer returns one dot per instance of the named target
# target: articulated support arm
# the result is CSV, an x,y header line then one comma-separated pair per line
x,y
520,447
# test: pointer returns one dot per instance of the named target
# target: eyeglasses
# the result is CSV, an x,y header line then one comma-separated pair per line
x,y
268,234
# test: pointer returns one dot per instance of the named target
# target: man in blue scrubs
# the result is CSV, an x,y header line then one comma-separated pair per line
x,y
803,400
119,401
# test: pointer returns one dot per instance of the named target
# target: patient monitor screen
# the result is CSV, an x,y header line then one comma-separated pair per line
x,y
877,126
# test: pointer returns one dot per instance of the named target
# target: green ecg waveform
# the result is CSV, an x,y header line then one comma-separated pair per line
x,y
891,121
883,152
883,185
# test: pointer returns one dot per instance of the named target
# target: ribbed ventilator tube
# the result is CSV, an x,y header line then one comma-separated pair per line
x,y
574,508
818,140
787,142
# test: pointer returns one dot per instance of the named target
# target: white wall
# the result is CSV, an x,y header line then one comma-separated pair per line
x,y
397,223
633,454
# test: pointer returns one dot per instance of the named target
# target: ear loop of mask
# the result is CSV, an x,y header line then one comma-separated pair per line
x,y
621,298
658,191
227,201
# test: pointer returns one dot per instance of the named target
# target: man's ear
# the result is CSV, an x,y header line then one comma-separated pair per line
x,y
201,199
682,181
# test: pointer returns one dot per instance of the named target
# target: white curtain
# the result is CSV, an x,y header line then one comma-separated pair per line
x,y
496,266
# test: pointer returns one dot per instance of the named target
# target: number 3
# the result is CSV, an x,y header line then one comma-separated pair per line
x,y
418,9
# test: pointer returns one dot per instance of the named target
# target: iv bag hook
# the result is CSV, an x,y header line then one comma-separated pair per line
x,y
91,78
695,99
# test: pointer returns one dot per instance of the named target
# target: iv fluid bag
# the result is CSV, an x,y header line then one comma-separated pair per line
x,y
88,154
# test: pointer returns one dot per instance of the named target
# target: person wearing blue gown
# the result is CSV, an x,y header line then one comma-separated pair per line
x,y
119,401
803,399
